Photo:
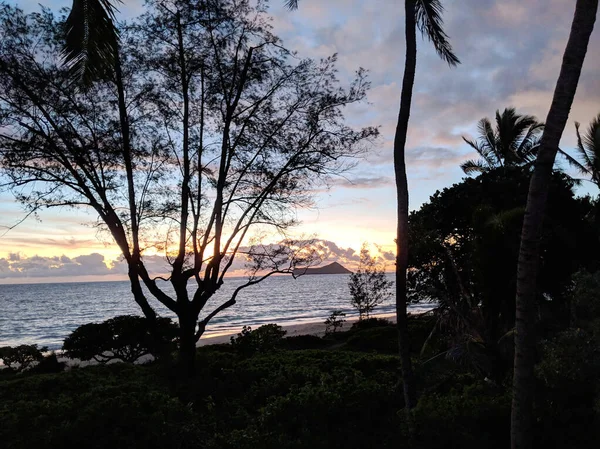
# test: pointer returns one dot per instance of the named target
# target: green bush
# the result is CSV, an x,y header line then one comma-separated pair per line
x,y
304,342
368,323
266,338
380,339
95,407
22,357
585,308
49,364
472,416
567,390
125,338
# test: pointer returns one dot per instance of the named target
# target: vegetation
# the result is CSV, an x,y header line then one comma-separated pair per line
x,y
22,357
537,198
368,285
191,128
124,338
344,395
256,131
334,322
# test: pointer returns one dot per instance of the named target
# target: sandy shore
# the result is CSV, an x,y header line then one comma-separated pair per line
x,y
312,328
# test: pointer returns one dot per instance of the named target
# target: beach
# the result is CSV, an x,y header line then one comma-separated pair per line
x,y
292,330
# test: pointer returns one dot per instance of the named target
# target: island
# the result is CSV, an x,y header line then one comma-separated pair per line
x,y
332,268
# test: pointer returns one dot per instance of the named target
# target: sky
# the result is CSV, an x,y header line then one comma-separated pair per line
x,y
510,51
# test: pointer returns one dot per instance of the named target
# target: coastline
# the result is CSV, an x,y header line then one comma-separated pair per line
x,y
316,328
293,330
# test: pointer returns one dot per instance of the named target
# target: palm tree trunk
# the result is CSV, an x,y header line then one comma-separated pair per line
x,y
523,382
402,197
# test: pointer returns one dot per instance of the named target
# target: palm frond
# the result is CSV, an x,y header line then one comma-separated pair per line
x,y
428,15
591,140
582,150
489,140
530,142
291,4
92,39
471,167
575,163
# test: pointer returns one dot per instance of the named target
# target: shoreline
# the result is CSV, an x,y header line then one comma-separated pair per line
x,y
316,328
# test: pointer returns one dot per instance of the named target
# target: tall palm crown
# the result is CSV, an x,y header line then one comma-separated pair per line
x,y
428,17
513,142
588,150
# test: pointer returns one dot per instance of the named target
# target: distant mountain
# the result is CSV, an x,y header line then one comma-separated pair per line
x,y
332,268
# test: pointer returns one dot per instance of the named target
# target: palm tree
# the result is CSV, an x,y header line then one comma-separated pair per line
x,y
588,150
529,253
426,15
512,143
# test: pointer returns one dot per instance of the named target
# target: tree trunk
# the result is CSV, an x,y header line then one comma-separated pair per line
x,y
402,197
523,382
187,345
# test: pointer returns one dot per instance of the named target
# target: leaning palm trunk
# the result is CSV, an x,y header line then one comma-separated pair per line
x,y
402,194
523,383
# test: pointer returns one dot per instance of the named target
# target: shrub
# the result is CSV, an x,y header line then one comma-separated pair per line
x,y
334,322
49,364
380,339
266,338
585,307
567,389
304,342
125,338
474,416
370,323
20,358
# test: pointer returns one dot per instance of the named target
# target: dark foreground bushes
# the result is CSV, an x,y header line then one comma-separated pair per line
x,y
282,396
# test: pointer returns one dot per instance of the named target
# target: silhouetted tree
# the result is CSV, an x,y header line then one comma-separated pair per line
x,y
464,249
529,254
512,142
213,131
369,285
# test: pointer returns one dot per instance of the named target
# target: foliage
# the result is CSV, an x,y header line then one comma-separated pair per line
x,y
266,338
470,416
92,40
380,339
304,342
96,407
588,151
369,323
369,285
22,357
209,135
585,300
334,322
465,244
330,398
513,142
567,388
125,338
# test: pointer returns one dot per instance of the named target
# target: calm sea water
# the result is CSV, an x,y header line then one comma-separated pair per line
x,y
46,313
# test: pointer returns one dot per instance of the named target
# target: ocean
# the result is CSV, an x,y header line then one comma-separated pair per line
x,y
45,314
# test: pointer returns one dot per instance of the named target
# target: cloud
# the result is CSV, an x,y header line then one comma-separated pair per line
x,y
20,266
